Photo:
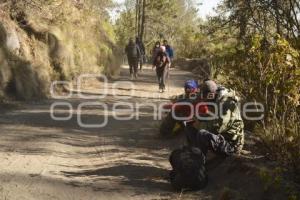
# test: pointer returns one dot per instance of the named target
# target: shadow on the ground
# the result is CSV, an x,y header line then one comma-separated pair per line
x,y
129,135
136,176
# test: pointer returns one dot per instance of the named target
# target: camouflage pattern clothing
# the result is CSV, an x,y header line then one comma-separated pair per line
x,y
224,135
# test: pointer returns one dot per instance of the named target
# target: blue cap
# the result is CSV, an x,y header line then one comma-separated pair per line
x,y
191,84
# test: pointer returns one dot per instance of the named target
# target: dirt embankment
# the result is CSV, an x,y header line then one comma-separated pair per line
x,y
43,42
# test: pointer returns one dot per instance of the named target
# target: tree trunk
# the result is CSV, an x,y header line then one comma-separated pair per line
x,y
277,16
137,17
143,20
139,2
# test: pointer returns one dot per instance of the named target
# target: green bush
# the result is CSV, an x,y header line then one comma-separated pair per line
x,y
268,72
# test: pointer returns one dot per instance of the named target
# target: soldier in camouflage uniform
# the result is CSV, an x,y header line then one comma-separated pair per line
x,y
223,135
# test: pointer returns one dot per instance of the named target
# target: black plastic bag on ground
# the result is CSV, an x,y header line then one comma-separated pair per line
x,y
189,172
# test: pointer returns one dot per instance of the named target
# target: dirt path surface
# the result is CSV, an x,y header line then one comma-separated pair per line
x,y
45,159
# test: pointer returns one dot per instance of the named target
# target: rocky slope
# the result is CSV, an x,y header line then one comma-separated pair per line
x,y
42,41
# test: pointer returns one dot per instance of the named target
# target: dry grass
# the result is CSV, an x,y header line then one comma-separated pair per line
x,y
57,41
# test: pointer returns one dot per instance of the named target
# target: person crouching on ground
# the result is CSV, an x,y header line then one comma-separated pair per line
x,y
133,54
162,65
224,134
191,89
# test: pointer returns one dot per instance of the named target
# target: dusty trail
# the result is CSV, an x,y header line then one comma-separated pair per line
x,y
45,159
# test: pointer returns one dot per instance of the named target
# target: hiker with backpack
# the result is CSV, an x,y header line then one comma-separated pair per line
x,y
223,134
170,126
133,55
169,50
155,51
143,52
162,65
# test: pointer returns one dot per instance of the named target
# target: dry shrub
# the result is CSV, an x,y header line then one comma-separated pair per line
x,y
24,72
29,82
58,41
281,138
269,72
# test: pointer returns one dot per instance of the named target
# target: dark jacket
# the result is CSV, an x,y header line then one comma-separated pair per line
x,y
161,60
132,50
170,51
155,52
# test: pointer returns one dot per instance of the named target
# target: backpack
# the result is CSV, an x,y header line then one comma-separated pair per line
x,y
161,60
189,170
170,51
132,50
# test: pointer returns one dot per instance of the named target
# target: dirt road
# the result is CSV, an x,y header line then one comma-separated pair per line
x,y
45,159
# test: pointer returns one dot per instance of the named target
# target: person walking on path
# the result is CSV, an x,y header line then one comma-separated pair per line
x,y
169,50
162,64
133,54
156,49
